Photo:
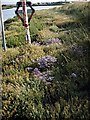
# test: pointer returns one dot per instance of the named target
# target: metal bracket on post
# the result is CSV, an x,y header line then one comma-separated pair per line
x,y
25,20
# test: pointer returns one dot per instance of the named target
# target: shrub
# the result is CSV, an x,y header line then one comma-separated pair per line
x,y
15,41
35,26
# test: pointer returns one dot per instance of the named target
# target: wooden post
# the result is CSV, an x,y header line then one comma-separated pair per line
x,y
25,17
2,26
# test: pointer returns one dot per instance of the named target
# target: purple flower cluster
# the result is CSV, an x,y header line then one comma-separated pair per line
x,y
77,50
46,61
48,42
44,76
52,41
37,43
40,71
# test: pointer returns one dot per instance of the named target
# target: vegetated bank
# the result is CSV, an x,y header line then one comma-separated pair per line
x,y
49,79
8,6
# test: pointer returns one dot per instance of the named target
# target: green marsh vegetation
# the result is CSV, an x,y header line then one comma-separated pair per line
x,y
48,80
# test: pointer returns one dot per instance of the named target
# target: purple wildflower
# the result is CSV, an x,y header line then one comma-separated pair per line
x,y
37,72
46,61
29,68
53,41
74,75
77,50
45,76
37,43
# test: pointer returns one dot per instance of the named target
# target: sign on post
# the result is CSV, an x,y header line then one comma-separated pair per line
x,y
25,18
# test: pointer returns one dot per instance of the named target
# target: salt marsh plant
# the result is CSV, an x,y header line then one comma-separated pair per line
x,y
48,80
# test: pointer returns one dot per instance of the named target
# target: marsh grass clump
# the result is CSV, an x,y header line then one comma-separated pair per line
x,y
54,28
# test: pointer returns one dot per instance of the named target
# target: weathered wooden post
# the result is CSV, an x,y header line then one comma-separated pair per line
x,y
2,26
25,18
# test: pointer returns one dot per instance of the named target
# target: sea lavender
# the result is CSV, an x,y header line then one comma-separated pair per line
x,y
29,69
74,75
44,76
77,50
37,43
37,72
52,41
48,42
46,61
